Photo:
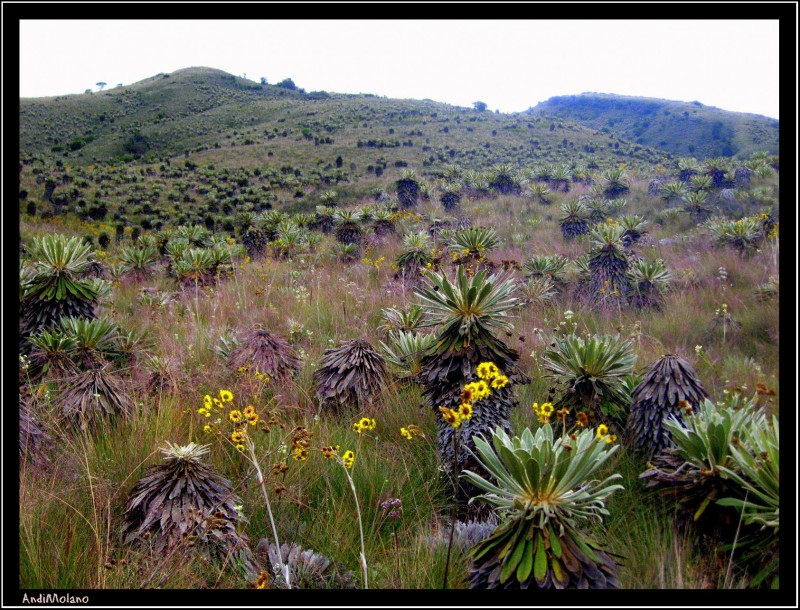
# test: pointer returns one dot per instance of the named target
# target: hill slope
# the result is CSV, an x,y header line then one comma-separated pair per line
x,y
680,128
214,117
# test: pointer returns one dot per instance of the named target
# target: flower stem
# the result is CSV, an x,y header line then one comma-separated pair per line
x,y
360,527
260,478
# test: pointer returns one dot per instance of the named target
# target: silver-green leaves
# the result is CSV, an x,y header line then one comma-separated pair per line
x,y
545,478
468,306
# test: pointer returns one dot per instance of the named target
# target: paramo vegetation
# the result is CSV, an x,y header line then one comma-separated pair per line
x,y
510,375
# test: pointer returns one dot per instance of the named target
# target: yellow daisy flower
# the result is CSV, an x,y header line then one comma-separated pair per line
x,y
499,382
451,417
348,458
482,389
235,416
471,389
468,395
225,395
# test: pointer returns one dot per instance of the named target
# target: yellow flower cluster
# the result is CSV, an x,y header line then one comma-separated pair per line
x,y
250,415
365,424
208,402
487,370
403,215
544,411
301,440
489,373
410,432
236,416
348,457
375,263
489,376
244,370
475,391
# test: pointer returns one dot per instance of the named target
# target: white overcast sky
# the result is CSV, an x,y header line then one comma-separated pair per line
x,y
509,64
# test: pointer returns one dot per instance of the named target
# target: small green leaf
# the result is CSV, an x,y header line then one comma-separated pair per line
x,y
558,571
587,550
510,565
483,548
526,563
540,562
506,548
554,543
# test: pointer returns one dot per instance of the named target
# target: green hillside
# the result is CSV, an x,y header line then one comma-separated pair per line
x,y
214,117
680,128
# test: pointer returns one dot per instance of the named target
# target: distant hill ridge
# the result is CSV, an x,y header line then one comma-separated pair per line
x,y
680,128
206,115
